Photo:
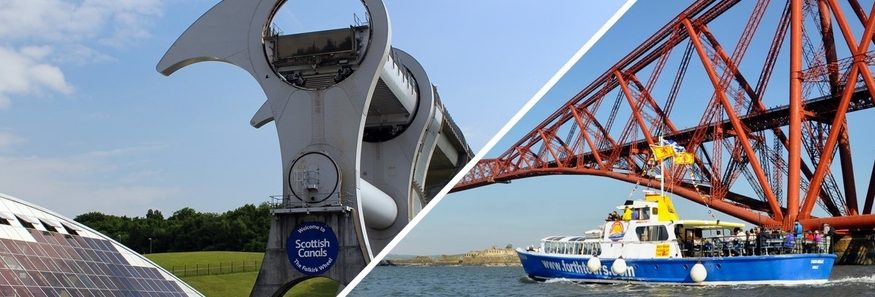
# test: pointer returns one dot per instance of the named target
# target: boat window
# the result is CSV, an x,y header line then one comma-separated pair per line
x,y
571,247
652,233
716,233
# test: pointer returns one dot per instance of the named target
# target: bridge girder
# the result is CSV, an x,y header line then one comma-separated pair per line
x,y
736,134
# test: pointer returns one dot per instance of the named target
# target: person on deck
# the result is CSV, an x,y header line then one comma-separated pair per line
x,y
818,241
789,242
737,247
830,234
761,241
627,214
749,238
739,235
611,216
808,244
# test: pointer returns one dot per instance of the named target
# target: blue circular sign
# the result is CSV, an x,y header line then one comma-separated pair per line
x,y
312,248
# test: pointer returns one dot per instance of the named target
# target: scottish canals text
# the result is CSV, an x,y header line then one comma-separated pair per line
x,y
312,248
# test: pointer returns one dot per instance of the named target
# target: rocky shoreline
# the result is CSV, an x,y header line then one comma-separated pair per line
x,y
491,257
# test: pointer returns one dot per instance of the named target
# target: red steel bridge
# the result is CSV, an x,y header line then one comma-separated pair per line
x,y
808,60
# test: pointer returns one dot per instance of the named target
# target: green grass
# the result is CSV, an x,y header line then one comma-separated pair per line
x,y
232,284
168,260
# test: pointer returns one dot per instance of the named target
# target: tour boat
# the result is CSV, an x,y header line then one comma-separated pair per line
x,y
650,244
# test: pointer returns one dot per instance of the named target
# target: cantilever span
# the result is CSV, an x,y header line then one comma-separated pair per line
x,y
773,118
786,155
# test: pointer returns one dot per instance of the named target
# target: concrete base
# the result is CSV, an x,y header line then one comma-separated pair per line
x,y
277,275
857,248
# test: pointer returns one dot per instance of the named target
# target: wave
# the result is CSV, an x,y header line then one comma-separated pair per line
x,y
527,280
857,279
559,280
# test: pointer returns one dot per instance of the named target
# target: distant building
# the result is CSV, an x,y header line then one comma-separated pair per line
x,y
45,254
422,260
492,252
492,256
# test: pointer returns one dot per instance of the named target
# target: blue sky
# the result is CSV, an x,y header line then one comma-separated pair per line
x,y
526,210
87,124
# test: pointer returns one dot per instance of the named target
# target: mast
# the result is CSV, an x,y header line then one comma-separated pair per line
x,y
661,173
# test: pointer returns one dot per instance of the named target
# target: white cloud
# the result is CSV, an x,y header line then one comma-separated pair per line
x,y
24,73
78,54
76,21
91,181
40,36
8,139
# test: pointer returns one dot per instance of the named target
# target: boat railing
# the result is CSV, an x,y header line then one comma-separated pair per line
x,y
571,247
752,245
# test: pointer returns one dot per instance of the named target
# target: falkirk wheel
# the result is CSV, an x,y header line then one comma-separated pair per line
x,y
364,138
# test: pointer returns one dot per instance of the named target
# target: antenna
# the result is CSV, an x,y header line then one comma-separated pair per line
x,y
661,172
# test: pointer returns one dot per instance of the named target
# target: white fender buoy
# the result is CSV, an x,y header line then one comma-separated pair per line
x,y
593,264
619,266
698,273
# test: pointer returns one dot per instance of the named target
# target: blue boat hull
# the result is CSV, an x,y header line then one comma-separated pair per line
x,y
775,269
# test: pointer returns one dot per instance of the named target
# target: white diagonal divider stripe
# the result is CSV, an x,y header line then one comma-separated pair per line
x,y
516,118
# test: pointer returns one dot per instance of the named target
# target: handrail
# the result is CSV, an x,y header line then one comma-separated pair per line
x,y
712,246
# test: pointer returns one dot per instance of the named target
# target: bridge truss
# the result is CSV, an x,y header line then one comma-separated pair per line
x,y
722,62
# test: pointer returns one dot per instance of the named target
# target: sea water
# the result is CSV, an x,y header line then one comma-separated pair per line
x,y
846,281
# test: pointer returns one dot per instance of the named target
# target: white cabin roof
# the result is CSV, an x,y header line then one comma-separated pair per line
x,y
639,204
704,224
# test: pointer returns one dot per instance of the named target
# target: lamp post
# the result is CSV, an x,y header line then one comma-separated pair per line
x,y
150,245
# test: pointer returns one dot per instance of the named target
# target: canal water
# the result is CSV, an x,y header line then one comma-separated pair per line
x,y
846,281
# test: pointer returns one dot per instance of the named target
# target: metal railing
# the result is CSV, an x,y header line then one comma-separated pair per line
x,y
278,202
214,268
730,246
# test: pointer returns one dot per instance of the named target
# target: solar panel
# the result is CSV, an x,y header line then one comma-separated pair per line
x,y
68,267
51,257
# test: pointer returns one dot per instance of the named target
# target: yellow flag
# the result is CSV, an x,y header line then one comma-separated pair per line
x,y
662,152
685,158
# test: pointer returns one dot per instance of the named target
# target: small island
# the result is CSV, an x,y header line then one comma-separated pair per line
x,y
493,256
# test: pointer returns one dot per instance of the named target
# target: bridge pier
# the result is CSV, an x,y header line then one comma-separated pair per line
x,y
856,248
277,275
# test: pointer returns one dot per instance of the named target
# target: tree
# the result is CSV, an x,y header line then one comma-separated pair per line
x,y
154,214
243,229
